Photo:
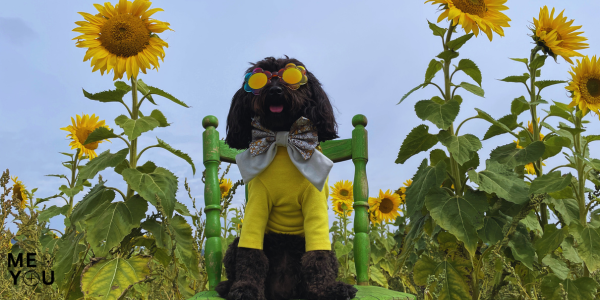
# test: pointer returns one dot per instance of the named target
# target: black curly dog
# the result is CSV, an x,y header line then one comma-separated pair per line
x,y
282,270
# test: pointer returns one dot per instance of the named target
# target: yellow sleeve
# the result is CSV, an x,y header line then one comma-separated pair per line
x,y
316,219
256,215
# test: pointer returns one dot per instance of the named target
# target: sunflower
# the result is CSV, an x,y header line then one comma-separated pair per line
x,y
529,168
339,209
342,190
585,85
19,191
239,226
385,207
530,128
557,36
408,182
373,216
225,185
80,131
475,15
122,38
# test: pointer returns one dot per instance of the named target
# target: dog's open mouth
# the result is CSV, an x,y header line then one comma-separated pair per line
x,y
276,108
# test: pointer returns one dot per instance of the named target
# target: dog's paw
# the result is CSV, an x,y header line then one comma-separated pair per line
x,y
336,291
223,288
243,290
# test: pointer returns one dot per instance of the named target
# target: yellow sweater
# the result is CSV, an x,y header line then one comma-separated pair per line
x,y
282,200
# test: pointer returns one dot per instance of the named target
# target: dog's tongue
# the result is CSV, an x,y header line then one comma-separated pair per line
x,y
276,108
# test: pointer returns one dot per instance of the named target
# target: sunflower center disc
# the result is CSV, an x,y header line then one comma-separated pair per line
x,y
124,35
386,205
82,135
344,193
593,87
473,7
223,189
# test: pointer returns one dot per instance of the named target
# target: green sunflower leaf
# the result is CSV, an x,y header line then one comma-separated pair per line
x,y
106,96
511,157
377,276
143,88
417,222
122,166
437,31
471,69
123,86
51,212
440,115
99,134
157,91
548,183
551,239
516,79
182,209
523,60
185,249
521,248
448,55
158,115
103,161
434,67
461,147
161,183
96,197
70,192
518,106
571,130
424,268
588,239
147,167
419,139
483,115
569,251
67,154
472,88
567,208
559,267
411,91
509,120
454,273
437,155
554,145
110,279
459,42
538,61
583,288
134,128
461,216
425,178
497,179
493,228
69,254
564,107
541,84
55,175
111,222
160,234
177,153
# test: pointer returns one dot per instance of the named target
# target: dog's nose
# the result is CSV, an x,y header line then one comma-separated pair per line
x,y
275,90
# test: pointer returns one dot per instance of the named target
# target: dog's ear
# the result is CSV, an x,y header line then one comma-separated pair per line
x,y
320,112
239,128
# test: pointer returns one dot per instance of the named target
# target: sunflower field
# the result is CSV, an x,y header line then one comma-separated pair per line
x,y
513,230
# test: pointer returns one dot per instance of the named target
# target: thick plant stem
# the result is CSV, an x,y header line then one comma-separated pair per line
x,y
581,177
536,130
134,116
454,169
73,177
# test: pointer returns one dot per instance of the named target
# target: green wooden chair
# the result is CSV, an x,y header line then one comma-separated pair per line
x,y
355,149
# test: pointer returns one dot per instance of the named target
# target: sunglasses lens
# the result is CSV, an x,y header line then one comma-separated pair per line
x,y
257,80
292,76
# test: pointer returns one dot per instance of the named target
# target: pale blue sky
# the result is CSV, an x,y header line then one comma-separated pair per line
x,y
367,54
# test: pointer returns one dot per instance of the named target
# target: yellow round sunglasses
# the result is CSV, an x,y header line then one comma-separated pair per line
x,y
292,76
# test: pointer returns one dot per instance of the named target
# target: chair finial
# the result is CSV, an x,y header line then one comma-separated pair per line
x,y
359,120
210,121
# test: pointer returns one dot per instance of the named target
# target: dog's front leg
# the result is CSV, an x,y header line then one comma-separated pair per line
x,y
319,271
251,269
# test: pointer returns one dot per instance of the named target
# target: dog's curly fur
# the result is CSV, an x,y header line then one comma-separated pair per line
x,y
283,270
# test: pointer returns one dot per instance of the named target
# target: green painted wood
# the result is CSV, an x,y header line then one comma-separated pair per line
x,y
213,254
364,293
228,154
337,150
362,247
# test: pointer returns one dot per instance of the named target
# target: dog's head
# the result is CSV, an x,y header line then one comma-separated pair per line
x,y
279,106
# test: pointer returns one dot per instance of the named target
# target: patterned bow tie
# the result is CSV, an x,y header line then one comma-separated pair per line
x,y
302,135
300,143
